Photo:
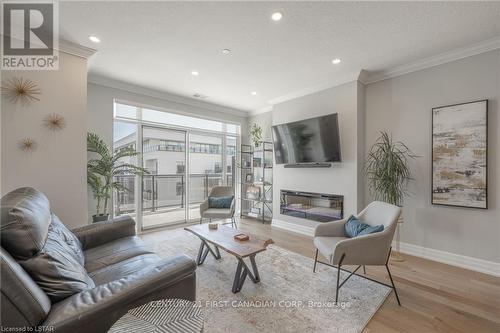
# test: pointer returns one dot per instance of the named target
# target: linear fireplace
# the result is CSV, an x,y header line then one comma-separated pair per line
x,y
318,207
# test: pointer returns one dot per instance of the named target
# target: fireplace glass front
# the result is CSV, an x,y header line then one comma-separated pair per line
x,y
318,207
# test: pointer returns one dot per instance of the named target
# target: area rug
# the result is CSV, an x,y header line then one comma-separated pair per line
x,y
289,298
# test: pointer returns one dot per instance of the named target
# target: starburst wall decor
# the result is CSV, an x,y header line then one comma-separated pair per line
x,y
27,144
54,122
19,89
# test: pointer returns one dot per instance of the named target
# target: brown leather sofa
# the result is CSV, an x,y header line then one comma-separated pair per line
x,y
119,272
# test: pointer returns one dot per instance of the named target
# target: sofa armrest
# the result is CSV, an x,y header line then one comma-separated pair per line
x,y
99,233
95,310
330,229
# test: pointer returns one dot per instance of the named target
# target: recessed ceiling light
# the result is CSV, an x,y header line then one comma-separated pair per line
x,y
336,61
195,73
277,16
253,93
94,39
226,51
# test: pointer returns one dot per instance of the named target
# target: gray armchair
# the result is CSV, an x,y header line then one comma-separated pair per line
x,y
218,213
332,242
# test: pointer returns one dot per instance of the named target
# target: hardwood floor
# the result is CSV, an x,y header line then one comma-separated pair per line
x,y
435,297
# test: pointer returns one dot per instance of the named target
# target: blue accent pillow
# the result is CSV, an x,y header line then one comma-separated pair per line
x,y
355,227
220,202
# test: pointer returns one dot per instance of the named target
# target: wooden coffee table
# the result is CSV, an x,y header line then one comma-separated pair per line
x,y
223,238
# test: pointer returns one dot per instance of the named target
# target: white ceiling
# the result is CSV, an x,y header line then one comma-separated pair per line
x,y
157,44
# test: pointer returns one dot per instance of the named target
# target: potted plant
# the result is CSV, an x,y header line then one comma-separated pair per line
x,y
256,134
387,168
102,170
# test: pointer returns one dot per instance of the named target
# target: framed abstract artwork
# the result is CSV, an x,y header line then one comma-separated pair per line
x,y
460,155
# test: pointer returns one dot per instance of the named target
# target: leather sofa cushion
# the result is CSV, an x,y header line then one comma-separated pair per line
x,y
114,252
25,220
68,237
123,268
56,270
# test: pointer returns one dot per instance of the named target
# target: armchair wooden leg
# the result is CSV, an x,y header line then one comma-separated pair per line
x,y
364,269
233,223
338,278
315,261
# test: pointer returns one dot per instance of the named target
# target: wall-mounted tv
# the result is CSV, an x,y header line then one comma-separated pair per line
x,y
309,141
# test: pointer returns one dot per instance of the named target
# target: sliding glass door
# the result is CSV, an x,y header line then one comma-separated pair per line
x,y
164,185
185,158
205,168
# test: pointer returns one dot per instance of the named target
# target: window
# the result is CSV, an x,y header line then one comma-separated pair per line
x,y
179,188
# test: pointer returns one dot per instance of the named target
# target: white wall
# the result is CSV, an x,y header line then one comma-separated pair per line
x,y
402,105
58,166
341,178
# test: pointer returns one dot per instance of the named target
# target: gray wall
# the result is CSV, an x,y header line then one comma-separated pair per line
x,y
57,166
402,105
341,178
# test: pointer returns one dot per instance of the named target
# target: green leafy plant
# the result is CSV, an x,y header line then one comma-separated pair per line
x,y
102,170
256,134
387,169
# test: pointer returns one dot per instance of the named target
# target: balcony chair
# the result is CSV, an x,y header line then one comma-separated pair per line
x,y
330,239
218,213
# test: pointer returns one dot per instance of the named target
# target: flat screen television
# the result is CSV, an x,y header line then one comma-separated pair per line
x,y
314,140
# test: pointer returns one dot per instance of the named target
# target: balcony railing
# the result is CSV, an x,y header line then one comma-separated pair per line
x,y
165,191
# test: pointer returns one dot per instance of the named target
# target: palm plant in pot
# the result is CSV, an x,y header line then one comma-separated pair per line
x,y
102,170
387,168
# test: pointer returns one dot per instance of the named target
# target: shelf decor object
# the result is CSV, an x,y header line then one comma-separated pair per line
x,y
256,135
18,89
256,195
460,155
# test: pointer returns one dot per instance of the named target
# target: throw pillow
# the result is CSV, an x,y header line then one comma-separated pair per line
x,y
355,227
56,270
57,227
220,202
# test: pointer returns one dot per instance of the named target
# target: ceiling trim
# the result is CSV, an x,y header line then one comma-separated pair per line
x,y
337,81
449,56
112,83
366,77
75,49
265,109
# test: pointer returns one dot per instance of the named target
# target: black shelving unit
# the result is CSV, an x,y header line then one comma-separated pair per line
x,y
256,196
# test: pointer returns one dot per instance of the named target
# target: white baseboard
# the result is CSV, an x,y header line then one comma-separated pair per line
x,y
474,264
293,227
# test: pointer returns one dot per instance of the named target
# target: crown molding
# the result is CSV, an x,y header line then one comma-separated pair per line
x,y
313,89
264,109
121,85
75,49
457,54
68,47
